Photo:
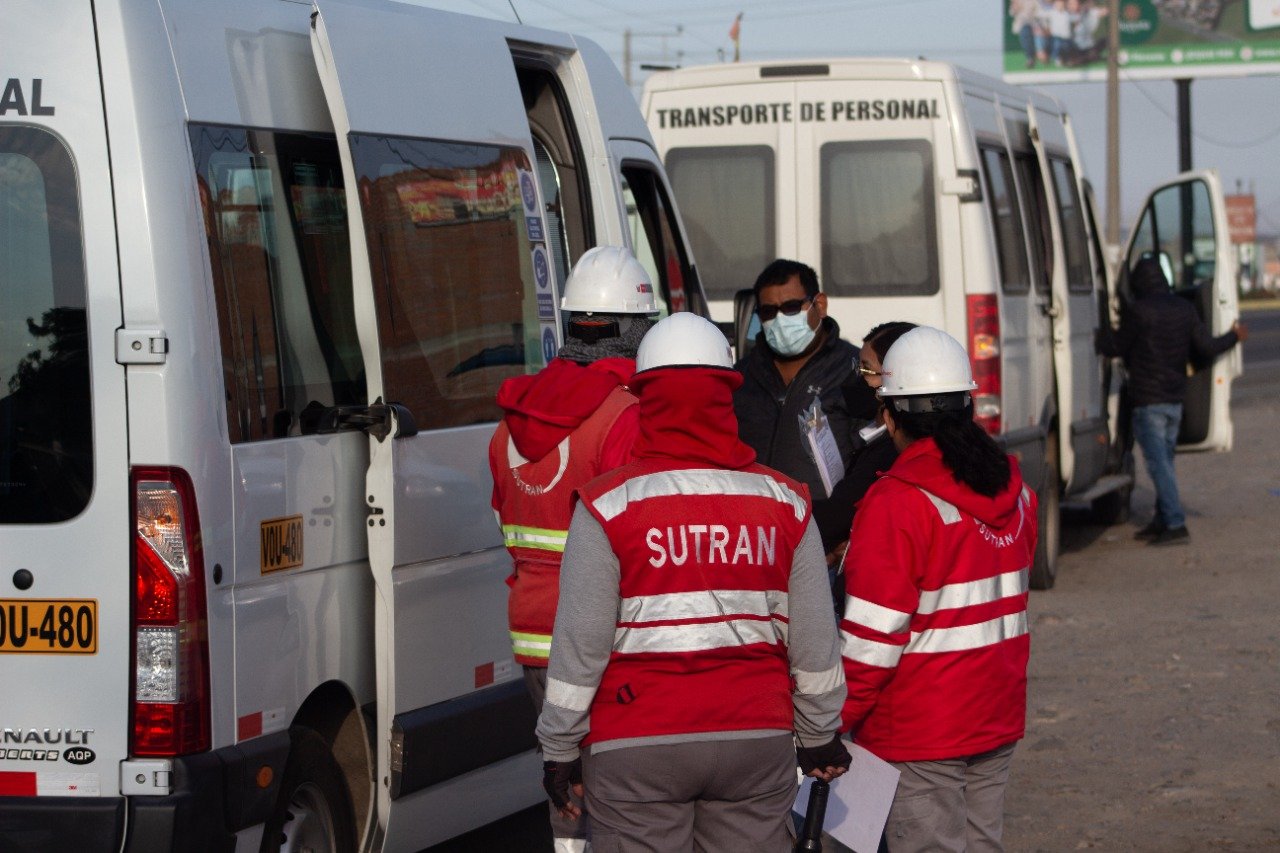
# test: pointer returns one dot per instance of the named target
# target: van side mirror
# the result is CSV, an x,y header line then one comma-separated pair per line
x,y
745,322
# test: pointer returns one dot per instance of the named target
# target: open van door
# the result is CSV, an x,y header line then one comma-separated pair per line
x,y
1059,309
1185,222
454,291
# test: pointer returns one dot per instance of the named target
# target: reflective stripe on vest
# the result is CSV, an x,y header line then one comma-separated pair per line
x,y
699,482
531,645
518,536
703,604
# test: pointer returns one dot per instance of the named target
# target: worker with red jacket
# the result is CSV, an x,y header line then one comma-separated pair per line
x,y
694,644
934,634
563,426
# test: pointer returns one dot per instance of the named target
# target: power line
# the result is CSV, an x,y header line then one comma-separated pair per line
x,y
1203,137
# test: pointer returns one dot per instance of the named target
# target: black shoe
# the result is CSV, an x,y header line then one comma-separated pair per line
x,y
1152,530
1172,536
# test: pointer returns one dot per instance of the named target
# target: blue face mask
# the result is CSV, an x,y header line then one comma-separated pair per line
x,y
789,335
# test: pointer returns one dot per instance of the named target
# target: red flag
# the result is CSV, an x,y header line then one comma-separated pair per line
x,y
736,28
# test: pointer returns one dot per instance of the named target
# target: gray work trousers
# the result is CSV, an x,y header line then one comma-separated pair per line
x,y
535,679
728,796
952,806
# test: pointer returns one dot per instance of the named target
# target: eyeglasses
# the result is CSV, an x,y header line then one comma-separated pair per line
x,y
867,371
791,308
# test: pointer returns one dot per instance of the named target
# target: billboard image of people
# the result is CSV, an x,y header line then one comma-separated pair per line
x,y
1065,41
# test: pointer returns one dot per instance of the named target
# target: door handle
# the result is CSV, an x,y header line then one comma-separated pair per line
x,y
378,419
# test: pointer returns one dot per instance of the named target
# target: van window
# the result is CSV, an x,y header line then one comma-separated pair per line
x,y
46,421
726,198
1037,224
1002,200
1074,238
453,275
1178,224
879,233
653,234
279,249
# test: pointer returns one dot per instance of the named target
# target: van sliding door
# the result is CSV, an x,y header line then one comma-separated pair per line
x,y
455,291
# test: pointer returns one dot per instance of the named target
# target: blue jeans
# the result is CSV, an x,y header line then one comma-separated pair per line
x,y
1155,428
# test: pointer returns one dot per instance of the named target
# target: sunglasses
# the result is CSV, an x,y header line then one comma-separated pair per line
x,y
791,308
867,371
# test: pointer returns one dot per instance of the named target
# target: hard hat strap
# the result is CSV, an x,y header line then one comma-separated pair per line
x,y
955,401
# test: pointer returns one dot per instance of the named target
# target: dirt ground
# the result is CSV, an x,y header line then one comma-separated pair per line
x,y
1154,697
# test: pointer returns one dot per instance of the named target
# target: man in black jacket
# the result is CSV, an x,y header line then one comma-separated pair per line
x,y
1159,332
799,359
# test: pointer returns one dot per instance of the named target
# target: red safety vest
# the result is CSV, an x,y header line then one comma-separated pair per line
x,y
705,560
934,634
534,501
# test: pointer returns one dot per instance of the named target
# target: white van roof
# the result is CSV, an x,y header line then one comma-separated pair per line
x,y
844,68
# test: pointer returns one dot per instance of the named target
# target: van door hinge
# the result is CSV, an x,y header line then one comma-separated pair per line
x,y
141,346
965,185
146,777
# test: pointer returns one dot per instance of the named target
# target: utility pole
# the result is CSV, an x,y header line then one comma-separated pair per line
x,y
626,56
1113,122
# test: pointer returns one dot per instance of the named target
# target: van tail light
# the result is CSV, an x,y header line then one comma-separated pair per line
x,y
170,631
984,357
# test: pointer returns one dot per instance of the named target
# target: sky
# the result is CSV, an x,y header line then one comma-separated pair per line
x,y
1235,121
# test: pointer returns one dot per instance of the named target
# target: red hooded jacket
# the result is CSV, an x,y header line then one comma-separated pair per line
x,y
562,427
934,633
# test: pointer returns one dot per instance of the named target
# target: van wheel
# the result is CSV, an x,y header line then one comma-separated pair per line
x,y
1044,568
1113,508
313,811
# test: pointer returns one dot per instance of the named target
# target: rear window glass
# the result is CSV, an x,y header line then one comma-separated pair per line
x,y
276,221
879,232
454,274
46,425
726,198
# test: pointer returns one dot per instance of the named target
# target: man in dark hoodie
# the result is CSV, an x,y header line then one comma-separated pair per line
x,y
799,362
1159,332
573,420
695,659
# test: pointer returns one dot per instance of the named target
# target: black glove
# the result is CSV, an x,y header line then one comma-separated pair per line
x,y
557,776
832,754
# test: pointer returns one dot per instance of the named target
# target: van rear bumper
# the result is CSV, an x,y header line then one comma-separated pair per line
x,y
215,795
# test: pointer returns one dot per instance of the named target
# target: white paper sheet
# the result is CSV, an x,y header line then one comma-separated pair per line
x,y
859,803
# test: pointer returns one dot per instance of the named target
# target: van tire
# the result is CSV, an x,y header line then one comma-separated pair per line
x,y
1044,566
313,810
1113,507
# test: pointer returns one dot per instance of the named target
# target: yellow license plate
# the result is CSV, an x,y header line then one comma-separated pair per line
x,y
49,626
281,543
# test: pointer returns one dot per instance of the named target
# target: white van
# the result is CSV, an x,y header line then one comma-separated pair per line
x,y
921,191
263,266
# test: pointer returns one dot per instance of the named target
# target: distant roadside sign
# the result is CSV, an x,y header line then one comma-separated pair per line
x,y
1242,218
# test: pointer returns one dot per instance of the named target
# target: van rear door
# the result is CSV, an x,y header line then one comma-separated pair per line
x,y
451,288
869,211
1185,221
65,529
729,151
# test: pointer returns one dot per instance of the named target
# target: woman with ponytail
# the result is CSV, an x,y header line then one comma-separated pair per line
x,y
934,633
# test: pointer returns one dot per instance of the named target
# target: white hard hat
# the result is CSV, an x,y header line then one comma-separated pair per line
x,y
684,340
608,280
925,360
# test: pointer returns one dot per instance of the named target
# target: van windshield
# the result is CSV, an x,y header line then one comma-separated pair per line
x,y
726,198
46,427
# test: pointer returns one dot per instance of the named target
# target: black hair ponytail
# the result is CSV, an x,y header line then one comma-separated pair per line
x,y
973,456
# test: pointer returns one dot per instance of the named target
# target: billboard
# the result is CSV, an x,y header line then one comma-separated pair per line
x,y
1065,41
